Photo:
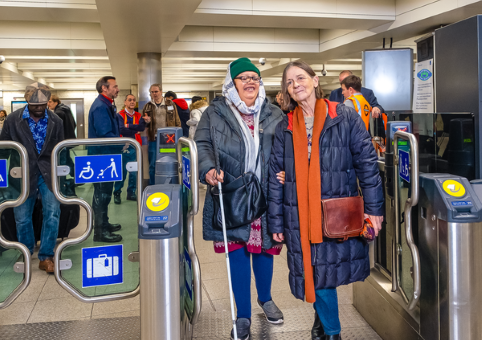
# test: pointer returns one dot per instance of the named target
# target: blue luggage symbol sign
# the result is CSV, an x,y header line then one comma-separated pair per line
x,y
102,266
96,169
3,173
404,165
186,172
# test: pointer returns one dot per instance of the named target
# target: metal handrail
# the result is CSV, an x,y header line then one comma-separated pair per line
x,y
8,204
411,202
75,200
194,177
191,248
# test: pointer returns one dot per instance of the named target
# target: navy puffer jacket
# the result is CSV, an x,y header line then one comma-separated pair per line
x,y
346,152
232,160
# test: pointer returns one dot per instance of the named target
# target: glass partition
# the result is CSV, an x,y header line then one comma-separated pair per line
x,y
404,192
11,187
446,141
100,263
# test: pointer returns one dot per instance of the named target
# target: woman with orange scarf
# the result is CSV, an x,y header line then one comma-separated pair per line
x,y
323,147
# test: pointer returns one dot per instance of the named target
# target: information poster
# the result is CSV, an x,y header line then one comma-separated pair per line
x,y
423,87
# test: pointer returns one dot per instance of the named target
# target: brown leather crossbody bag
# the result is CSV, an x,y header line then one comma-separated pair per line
x,y
343,217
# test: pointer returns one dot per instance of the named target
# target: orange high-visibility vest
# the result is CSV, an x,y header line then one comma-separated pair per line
x,y
362,107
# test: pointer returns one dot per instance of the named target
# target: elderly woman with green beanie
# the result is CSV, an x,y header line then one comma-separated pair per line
x,y
242,123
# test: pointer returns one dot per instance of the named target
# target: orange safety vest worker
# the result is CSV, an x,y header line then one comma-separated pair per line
x,y
362,107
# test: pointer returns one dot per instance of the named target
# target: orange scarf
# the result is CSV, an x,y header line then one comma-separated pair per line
x,y
308,188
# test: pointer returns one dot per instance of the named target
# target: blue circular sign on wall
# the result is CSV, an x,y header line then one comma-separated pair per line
x,y
424,74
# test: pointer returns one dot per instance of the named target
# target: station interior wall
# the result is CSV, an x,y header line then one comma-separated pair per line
x,y
88,96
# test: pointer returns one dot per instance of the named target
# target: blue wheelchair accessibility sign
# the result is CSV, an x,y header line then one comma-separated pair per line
x,y
97,169
3,173
186,172
404,165
102,266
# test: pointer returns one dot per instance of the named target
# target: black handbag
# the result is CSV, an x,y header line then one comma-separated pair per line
x,y
243,199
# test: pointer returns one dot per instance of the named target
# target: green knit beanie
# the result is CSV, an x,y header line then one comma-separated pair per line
x,y
242,65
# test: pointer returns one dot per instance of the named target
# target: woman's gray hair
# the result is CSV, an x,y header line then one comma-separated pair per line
x,y
288,103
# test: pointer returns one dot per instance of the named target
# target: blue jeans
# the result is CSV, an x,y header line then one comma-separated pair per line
x,y
152,153
326,306
129,156
50,224
240,264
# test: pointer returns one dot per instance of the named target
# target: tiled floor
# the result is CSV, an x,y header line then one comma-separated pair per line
x,y
46,301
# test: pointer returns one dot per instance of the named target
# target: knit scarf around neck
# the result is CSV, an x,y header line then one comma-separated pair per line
x,y
237,106
308,188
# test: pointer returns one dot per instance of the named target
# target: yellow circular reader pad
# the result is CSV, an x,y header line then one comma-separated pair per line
x,y
158,201
453,188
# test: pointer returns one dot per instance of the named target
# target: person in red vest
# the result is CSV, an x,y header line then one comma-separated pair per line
x,y
131,124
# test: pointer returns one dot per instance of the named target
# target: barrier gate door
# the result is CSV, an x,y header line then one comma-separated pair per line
x,y
188,177
406,269
102,263
15,258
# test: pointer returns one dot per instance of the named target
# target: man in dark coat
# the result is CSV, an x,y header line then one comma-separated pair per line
x,y
64,112
38,130
182,111
337,96
103,124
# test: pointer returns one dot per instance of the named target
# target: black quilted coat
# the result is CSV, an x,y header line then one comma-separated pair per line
x,y
232,157
346,152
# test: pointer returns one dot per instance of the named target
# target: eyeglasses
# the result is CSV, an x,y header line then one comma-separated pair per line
x,y
299,80
246,79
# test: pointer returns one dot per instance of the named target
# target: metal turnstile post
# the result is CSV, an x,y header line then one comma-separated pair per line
x,y
160,232
450,238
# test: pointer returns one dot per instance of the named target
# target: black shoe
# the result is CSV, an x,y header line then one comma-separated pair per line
x,y
117,199
131,197
243,326
333,337
112,227
317,332
107,236
272,312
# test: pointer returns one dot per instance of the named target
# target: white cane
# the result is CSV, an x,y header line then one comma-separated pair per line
x,y
231,298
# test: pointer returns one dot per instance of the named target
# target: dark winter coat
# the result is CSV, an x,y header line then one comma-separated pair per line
x,y
103,124
64,112
232,159
17,129
184,114
346,152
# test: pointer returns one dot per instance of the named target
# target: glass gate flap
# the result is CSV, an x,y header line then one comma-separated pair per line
x,y
408,259
15,258
189,175
95,174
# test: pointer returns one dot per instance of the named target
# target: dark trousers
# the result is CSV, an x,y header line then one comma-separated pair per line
x,y
100,205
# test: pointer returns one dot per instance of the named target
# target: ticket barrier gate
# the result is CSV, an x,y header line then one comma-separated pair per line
x,y
170,269
15,258
450,239
431,290
169,275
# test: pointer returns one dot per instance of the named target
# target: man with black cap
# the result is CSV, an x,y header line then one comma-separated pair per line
x,y
38,130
